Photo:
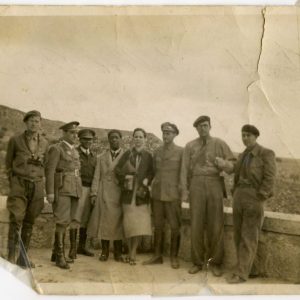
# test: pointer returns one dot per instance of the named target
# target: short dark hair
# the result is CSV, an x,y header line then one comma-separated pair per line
x,y
114,131
140,129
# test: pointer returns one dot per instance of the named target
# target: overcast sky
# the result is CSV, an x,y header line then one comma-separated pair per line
x,y
139,71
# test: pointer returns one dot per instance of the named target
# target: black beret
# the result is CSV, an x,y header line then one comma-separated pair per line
x,y
32,113
86,133
201,119
251,129
114,131
69,126
167,126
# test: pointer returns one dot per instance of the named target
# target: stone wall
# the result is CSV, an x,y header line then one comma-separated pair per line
x,y
278,253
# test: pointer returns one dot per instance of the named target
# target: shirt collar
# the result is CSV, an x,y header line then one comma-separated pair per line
x,y
68,144
115,151
85,151
169,146
253,150
31,136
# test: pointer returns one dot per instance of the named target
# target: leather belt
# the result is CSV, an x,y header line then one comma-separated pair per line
x,y
75,173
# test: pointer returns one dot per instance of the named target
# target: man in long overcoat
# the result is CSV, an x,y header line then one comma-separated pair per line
x,y
106,219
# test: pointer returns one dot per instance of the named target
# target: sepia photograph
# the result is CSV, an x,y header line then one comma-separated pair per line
x,y
150,150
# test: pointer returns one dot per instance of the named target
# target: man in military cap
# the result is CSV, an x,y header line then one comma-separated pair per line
x,y
106,220
64,188
87,169
25,170
254,180
204,187
166,194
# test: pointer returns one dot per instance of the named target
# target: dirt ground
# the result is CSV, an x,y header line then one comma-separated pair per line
x,y
89,276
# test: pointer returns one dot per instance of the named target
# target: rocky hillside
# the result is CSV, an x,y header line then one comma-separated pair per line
x,y
11,122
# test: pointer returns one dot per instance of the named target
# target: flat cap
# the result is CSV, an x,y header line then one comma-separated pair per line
x,y
251,129
69,126
86,133
32,113
167,126
201,119
114,131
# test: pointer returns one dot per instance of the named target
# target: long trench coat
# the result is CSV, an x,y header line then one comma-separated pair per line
x,y
106,218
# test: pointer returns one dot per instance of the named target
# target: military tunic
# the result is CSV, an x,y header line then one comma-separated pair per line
x,y
254,180
200,179
87,168
25,168
63,180
166,189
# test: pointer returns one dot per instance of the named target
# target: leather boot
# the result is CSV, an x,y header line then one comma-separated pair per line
x,y
105,250
23,260
157,257
60,251
82,241
175,242
53,255
13,238
73,243
118,250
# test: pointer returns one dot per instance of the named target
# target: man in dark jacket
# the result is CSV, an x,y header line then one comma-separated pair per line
x,y
88,162
254,180
25,169
166,194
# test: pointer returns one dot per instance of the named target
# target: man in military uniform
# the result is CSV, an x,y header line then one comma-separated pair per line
x,y
204,187
88,162
166,194
64,188
254,180
25,169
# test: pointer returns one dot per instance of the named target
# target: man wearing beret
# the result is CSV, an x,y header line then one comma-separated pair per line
x,y
106,220
254,180
87,168
204,187
25,170
166,194
64,188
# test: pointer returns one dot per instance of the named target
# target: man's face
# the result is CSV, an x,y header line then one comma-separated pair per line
x,y
114,141
203,129
248,139
33,124
86,143
168,136
70,136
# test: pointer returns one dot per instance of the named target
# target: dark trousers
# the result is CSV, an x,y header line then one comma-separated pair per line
x,y
248,215
206,208
25,201
167,210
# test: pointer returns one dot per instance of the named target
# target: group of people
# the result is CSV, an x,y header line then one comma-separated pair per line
x,y
121,194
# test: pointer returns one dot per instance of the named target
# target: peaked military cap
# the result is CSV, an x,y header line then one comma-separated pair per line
x,y
69,126
167,126
86,133
201,119
32,113
251,129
